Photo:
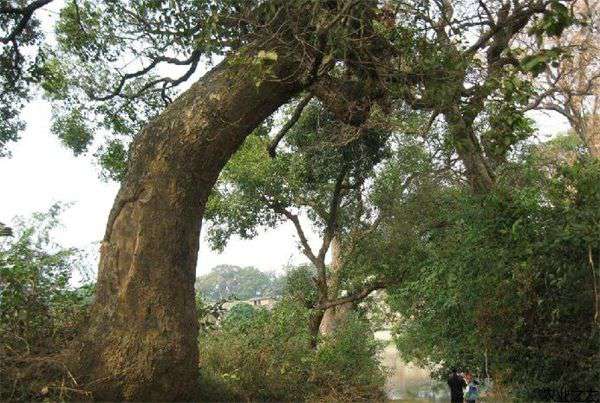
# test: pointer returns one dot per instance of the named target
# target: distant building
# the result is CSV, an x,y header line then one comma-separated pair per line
x,y
263,302
258,302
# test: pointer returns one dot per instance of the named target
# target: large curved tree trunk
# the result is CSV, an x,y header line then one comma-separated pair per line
x,y
142,339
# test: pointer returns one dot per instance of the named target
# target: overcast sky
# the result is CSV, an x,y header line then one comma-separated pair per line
x,y
42,171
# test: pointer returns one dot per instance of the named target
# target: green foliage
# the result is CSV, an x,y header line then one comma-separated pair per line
x,y
21,66
39,310
299,285
254,189
267,356
233,282
208,314
240,316
73,131
538,62
510,276
554,22
349,358
55,82
113,160
126,61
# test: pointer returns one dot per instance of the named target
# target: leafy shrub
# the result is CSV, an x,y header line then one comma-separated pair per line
x,y
39,311
346,365
509,282
267,356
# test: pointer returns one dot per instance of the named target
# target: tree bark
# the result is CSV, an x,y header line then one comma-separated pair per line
x,y
590,134
479,173
141,343
333,317
315,319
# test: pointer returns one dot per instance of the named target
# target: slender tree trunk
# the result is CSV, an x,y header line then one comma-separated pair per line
x,y
141,342
479,173
590,133
315,319
335,316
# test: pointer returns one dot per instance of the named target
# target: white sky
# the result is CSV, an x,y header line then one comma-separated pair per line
x,y
42,172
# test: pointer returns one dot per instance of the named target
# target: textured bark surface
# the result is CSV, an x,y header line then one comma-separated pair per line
x,y
589,131
335,316
478,171
141,343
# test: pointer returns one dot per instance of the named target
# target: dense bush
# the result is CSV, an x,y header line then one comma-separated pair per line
x,y
510,281
267,356
39,311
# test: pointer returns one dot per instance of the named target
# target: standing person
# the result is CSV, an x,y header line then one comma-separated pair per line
x,y
457,384
472,393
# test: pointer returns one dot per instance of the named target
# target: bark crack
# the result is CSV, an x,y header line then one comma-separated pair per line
x,y
124,198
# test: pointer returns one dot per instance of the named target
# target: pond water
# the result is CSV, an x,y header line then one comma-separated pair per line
x,y
407,382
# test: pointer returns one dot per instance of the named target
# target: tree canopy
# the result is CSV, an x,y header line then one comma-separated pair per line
x,y
234,282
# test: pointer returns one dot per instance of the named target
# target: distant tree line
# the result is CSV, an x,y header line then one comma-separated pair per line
x,y
235,282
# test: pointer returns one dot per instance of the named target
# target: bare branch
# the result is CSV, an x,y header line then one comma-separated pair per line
x,y
26,13
278,208
289,124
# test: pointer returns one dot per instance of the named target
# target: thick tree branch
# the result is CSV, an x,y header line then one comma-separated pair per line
x,y
360,295
334,205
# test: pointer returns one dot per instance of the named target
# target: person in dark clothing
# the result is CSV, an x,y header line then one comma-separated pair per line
x,y
457,384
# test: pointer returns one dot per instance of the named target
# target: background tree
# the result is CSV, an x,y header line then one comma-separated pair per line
x,y
572,86
227,282
321,172
506,285
22,63
464,64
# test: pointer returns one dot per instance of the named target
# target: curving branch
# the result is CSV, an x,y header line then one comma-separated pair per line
x,y
168,83
307,250
24,14
272,148
357,296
